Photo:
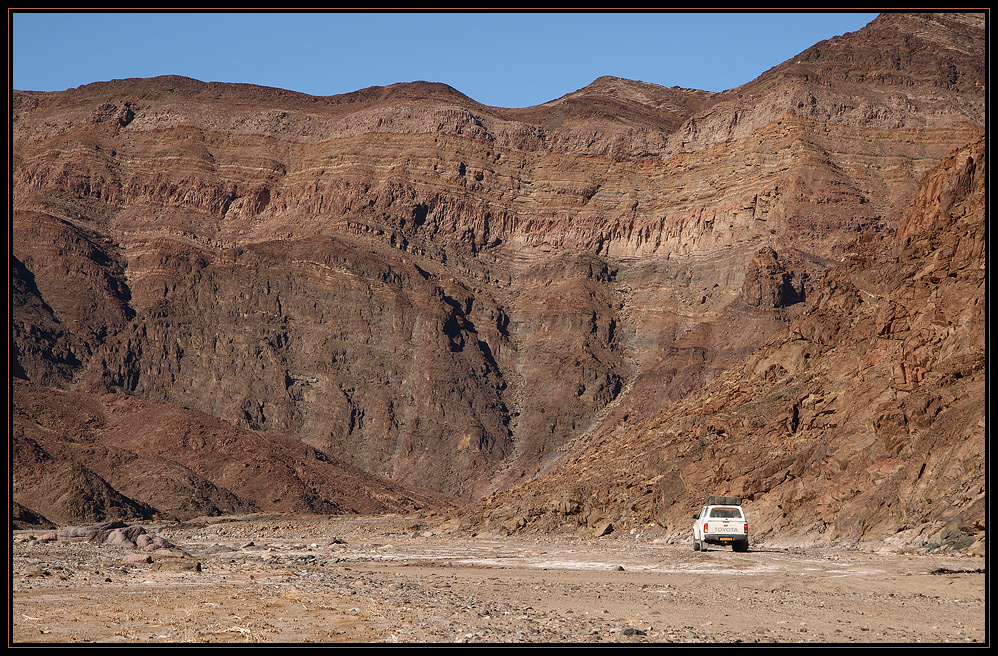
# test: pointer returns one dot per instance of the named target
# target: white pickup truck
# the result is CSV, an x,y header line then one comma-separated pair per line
x,y
721,521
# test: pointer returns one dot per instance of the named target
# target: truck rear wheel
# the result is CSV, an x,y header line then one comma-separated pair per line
x,y
696,545
741,545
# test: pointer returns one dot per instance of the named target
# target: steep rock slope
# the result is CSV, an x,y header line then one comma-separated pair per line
x,y
86,458
862,423
447,294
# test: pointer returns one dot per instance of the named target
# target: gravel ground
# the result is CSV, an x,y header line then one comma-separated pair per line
x,y
398,580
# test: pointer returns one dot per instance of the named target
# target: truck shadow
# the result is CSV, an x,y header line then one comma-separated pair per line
x,y
749,550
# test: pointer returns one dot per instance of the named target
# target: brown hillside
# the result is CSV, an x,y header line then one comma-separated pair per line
x,y
862,423
445,295
89,458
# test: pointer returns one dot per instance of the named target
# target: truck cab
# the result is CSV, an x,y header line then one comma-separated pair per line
x,y
721,521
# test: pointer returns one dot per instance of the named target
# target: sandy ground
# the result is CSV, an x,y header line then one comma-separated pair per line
x,y
386,580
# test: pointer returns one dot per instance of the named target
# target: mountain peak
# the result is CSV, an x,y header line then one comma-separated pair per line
x,y
452,296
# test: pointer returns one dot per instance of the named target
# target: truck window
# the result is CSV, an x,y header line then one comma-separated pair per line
x,y
726,513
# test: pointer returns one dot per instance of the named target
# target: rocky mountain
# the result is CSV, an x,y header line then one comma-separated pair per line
x,y
863,422
81,457
448,296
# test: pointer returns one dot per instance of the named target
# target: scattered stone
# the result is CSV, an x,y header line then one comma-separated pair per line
x,y
178,565
447,595
137,558
36,573
170,552
91,533
124,537
115,533
251,546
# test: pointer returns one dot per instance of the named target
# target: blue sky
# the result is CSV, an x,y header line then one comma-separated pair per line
x,y
503,59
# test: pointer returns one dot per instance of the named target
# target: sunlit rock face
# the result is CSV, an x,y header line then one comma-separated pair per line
x,y
451,296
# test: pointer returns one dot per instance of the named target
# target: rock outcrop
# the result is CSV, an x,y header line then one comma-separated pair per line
x,y
862,423
446,295
94,457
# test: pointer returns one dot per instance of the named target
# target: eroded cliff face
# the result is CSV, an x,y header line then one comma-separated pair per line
x,y
450,295
861,423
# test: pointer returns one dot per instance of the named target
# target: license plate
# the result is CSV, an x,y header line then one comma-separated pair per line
x,y
723,539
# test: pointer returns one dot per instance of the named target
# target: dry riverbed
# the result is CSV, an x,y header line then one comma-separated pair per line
x,y
267,579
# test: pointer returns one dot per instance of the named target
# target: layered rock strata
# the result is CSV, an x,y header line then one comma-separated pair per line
x,y
449,295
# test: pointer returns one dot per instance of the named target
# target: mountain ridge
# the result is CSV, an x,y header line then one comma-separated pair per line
x,y
444,294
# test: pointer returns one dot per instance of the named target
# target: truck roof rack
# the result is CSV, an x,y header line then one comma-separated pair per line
x,y
724,501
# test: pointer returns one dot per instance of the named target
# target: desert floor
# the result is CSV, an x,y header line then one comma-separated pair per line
x,y
275,579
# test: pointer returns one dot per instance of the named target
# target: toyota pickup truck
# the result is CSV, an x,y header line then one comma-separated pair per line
x,y
721,521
